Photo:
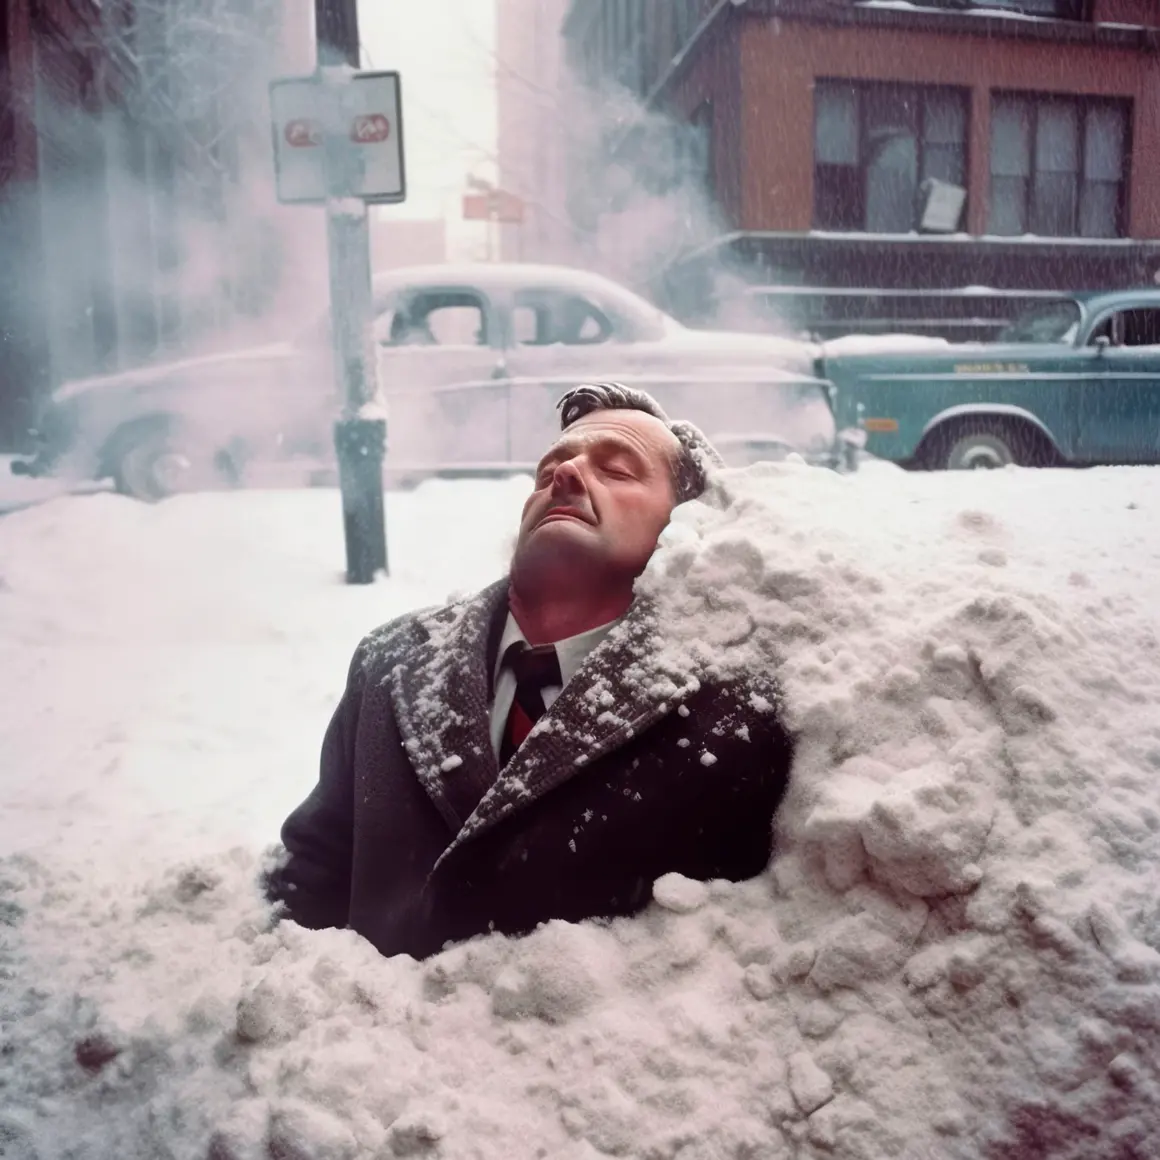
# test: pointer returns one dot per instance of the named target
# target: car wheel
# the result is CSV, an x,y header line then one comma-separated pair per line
x,y
979,451
157,460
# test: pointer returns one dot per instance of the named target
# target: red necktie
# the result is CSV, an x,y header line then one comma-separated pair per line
x,y
535,669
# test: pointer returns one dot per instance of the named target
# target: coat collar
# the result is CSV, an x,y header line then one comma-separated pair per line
x,y
441,691
441,696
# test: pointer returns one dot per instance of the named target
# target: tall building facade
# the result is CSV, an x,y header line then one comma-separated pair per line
x,y
534,130
880,165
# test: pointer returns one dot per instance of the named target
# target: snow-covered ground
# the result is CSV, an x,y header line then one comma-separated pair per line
x,y
955,954
18,491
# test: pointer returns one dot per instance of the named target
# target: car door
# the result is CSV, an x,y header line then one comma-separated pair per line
x,y
439,350
1120,406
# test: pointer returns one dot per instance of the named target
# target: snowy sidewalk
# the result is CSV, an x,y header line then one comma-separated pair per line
x,y
957,953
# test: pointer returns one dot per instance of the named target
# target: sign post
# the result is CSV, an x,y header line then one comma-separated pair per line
x,y
338,141
492,205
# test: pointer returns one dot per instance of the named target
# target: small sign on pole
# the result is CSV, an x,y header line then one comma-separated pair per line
x,y
355,124
495,205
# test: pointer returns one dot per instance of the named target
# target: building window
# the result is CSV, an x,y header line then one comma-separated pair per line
x,y
1061,9
1058,166
874,147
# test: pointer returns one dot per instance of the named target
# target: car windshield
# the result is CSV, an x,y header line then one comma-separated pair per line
x,y
1045,322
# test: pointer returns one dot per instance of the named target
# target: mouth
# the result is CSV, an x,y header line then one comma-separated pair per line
x,y
562,513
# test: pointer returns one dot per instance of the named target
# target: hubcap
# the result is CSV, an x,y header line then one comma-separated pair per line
x,y
170,469
983,459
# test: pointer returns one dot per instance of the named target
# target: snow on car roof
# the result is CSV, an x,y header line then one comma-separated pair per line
x,y
496,275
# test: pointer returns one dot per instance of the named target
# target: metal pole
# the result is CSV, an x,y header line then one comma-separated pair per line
x,y
360,432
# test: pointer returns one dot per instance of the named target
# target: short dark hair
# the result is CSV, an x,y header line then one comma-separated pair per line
x,y
697,457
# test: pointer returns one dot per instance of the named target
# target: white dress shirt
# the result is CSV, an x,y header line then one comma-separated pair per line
x,y
571,653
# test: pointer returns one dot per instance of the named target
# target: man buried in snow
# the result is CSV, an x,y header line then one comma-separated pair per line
x,y
529,753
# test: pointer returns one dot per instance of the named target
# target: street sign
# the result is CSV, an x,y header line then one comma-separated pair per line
x,y
341,138
496,205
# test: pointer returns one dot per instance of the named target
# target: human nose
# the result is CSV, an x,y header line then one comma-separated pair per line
x,y
567,477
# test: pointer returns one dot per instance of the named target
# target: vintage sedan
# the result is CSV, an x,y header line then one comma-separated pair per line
x,y
1074,380
472,359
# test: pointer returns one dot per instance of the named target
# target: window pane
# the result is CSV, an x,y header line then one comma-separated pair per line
x,y
1053,204
946,162
890,111
836,125
1057,138
891,184
945,119
1103,155
1142,327
526,327
1099,209
1010,138
891,159
838,198
1008,211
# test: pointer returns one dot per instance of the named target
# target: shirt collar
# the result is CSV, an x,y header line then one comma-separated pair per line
x,y
571,652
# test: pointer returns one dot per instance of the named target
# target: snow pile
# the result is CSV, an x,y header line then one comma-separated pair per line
x,y
954,955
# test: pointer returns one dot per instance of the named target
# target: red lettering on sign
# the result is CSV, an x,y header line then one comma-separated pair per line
x,y
303,133
370,128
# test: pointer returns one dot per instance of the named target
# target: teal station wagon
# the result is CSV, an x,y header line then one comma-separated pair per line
x,y
1072,381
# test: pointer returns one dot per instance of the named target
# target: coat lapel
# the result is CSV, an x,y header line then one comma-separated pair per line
x,y
441,694
625,685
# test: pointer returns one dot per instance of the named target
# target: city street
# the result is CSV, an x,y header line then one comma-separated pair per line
x,y
587,580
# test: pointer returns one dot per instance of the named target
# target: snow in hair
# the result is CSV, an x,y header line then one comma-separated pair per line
x,y
698,455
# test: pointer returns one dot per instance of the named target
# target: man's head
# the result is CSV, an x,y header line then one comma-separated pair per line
x,y
605,490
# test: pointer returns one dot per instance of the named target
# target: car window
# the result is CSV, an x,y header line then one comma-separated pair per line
x,y
1044,322
1130,328
550,317
435,318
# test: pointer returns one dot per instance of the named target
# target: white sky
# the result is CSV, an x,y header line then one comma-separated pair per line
x,y
444,50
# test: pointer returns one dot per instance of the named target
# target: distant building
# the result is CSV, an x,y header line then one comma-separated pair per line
x,y
397,242
861,156
137,215
534,131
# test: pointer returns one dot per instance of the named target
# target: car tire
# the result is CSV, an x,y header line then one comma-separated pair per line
x,y
155,460
980,450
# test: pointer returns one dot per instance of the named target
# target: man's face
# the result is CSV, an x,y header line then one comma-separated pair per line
x,y
604,493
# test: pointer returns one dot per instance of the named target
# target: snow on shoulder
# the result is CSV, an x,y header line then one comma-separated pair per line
x,y
954,953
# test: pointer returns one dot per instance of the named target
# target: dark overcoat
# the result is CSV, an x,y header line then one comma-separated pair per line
x,y
643,765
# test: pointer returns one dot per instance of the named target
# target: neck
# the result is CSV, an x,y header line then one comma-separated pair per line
x,y
546,620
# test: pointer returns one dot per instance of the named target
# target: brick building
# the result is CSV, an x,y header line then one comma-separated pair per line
x,y
859,151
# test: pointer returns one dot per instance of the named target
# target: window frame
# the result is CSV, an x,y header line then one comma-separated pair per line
x,y
1082,104
614,328
402,299
921,93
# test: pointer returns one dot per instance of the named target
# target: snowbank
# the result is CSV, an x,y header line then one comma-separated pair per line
x,y
954,955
